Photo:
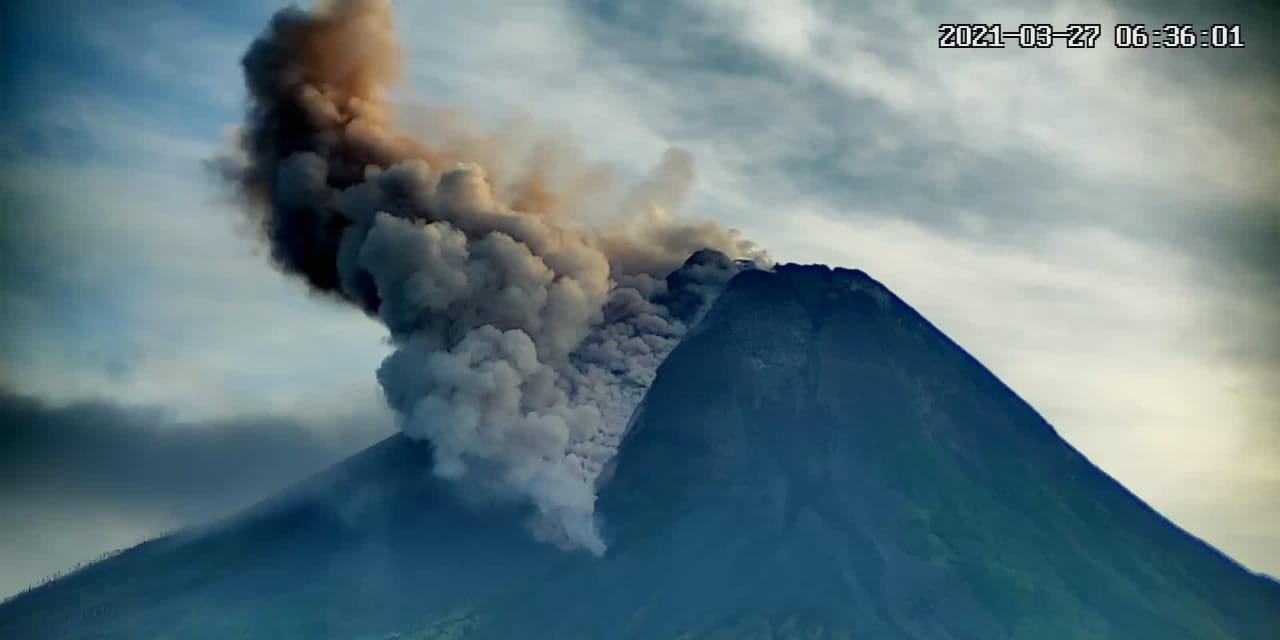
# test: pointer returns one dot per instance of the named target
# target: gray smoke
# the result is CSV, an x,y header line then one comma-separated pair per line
x,y
523,340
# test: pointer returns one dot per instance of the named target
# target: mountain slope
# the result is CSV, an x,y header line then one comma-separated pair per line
x,y
819,413
814,460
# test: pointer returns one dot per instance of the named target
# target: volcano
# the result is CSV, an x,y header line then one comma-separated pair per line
x,y
814,460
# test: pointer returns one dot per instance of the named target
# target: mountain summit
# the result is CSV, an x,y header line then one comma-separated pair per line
x,y
814,460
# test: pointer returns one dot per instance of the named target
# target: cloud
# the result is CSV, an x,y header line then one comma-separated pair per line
x,y
69,470
125,274
164,284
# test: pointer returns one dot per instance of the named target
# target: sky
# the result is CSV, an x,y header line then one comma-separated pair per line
x,y
1099,227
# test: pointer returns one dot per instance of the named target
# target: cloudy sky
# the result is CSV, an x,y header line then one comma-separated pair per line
x,y
1099,227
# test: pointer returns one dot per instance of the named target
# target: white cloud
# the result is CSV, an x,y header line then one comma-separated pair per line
x,y
143,265
1107,114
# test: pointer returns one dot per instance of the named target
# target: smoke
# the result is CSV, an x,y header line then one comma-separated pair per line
x,y
523,339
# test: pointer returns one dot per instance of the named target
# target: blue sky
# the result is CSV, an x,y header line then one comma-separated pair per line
x,y
1098,227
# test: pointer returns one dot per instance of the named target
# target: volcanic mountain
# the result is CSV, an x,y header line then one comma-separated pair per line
x,y
814,460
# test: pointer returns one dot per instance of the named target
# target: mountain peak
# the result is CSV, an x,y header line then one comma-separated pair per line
x,y
812,283
817,420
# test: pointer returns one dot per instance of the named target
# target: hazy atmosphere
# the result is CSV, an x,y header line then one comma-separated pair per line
x,y
1099,227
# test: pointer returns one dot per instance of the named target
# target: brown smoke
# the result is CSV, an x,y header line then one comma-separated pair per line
x,y
523,339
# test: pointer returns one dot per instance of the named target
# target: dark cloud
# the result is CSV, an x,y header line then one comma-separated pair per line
x,y
78,479
129,456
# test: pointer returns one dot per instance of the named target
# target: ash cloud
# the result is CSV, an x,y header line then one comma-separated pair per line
x,y
524,336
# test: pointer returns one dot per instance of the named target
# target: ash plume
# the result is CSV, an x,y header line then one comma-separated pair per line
x,y
523,339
